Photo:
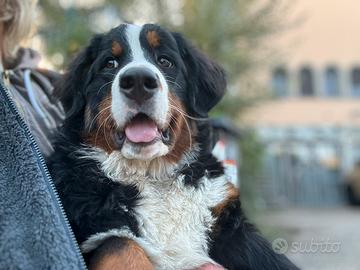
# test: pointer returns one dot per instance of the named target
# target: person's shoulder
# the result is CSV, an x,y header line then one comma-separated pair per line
x,y
28,60
52,76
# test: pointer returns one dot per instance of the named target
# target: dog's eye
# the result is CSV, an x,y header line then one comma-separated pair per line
x,y
112,64
165,62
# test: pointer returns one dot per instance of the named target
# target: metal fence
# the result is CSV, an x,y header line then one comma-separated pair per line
x,y
289,180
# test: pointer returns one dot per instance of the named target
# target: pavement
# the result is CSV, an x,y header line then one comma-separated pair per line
x,y
316,239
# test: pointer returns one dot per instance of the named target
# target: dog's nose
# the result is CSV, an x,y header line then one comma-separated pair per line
x,y
139,84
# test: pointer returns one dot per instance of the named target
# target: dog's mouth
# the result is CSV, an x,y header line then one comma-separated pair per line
x,y
142,130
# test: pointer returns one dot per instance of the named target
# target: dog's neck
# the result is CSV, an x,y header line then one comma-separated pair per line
x,y
118,168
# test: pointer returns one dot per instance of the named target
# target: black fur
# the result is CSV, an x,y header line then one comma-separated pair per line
x,y
73,86
205,78
205,165
238,245
94,203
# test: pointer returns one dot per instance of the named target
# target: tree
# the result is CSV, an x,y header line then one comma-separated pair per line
x,y
231,31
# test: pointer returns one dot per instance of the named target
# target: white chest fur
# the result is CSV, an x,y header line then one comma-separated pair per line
x,y
175,220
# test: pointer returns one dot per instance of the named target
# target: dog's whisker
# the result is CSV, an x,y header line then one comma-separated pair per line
x,y
100,112
107,73
189,130
96,116
188,116
187,126
175,83
98,130
105,133
171,80
172,129
104,86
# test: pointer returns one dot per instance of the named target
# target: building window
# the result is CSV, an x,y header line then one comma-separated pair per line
x,y
355,81
307,82
332,83
280,82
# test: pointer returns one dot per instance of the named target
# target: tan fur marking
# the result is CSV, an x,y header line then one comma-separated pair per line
x,y
179,126
232,195
101,135
130,257
116,48
153,38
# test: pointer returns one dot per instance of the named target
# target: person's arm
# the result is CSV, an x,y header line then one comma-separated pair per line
x,y
119,254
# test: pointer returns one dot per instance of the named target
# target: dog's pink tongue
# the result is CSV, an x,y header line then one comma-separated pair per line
x,y
141,131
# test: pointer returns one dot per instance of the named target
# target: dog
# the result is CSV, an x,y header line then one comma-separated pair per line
x,y
133,162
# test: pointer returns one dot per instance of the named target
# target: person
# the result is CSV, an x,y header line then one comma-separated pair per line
x,y
30,87
34,232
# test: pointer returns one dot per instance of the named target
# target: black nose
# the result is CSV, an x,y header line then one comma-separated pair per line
x,y
138,84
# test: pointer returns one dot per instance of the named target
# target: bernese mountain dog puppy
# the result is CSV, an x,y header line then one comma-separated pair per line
x,y
133,162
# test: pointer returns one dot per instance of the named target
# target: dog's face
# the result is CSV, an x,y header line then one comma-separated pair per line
x,y
137,90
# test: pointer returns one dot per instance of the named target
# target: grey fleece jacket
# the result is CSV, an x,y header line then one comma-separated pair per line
x,y
34,233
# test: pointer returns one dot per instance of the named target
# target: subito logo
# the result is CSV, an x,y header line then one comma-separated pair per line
x,y
280,245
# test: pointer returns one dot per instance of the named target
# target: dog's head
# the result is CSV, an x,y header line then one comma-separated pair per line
x,y
138,89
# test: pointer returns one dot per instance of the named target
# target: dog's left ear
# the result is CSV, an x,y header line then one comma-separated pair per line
x,y
207,82
70,90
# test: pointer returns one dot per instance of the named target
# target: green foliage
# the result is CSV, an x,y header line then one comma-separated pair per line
x,y
250,169
65,30
231,31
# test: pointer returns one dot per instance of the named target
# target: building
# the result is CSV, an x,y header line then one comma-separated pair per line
x,y
311,129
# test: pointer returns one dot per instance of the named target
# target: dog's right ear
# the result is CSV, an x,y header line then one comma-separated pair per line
x,y
206,79
71,89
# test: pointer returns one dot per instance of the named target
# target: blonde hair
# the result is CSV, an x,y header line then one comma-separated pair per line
x,y
17,17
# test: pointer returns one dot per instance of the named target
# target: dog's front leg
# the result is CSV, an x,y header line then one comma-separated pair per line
x,y
119,253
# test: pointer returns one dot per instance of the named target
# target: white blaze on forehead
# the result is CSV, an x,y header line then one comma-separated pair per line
x,y
157,107
120,107
133,38
138,58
